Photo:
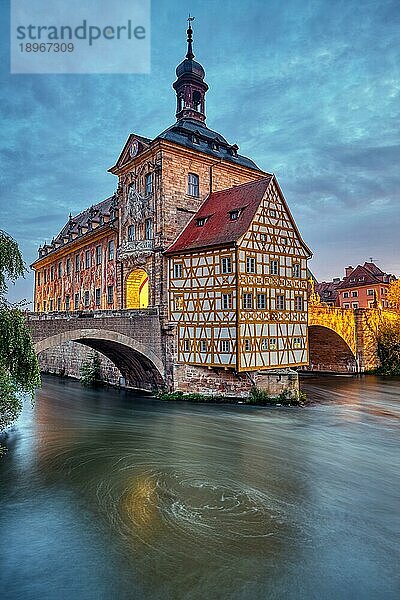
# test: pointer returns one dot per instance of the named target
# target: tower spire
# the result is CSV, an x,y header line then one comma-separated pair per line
x,y
189,32
190,86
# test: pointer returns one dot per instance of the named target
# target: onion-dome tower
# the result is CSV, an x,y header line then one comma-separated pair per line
x,y
190,86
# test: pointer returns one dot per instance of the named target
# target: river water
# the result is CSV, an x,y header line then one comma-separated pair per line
x,y
104,495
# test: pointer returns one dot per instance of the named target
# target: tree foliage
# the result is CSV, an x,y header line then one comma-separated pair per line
x,y
389,348
91,370
393,295
11,264
19,369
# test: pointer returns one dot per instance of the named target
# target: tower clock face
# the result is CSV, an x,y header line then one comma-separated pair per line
x,y
134,148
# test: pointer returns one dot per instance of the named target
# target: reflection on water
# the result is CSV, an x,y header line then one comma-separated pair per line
x,y
108,496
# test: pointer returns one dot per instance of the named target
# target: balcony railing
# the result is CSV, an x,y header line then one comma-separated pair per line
x,y
128,248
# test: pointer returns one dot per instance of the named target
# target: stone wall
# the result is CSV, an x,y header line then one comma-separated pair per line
x,y
190,378
68,359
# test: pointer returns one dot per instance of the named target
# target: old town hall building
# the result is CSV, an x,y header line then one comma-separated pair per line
x,y
202,234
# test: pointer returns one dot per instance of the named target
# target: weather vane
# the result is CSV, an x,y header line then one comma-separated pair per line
x,y
190,19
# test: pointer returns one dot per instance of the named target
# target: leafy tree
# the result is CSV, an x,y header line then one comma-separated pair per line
x,y
19,369
389,348
393,295
91,370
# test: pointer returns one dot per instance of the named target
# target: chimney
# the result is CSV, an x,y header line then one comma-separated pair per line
x,y
348,270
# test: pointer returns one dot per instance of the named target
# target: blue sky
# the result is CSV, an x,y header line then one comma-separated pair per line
x,y
308,89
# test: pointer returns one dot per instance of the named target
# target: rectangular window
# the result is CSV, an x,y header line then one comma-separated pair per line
x,y
354,294
77,263
274,267
247,345
148,184
111,247
226,264
97,296
98,255
346,305
296,270
178,302
250,264
247,300
67,302
76,301
272,213
261,301
383,291
68,266
52,273
264,344
193,184
284,241
272,344
110,294
58,304
226,301
203,345
51,305
38,278
59,270
370,292
354,305
186,345
148,229
298,303
345,294
87,259
297,342
131,233
280,302
225,346
44,305
45,276
178,270
87,299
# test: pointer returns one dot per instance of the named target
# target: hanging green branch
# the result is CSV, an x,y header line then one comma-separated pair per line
x,y
19,369
11,264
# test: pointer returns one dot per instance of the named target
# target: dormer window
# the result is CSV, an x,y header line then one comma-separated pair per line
x,y
214,145
201,221
233,150
234,214
195,139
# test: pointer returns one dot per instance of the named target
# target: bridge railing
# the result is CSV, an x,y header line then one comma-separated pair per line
x,y
92,314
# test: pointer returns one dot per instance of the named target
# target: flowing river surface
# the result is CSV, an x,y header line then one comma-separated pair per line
x,y
104,495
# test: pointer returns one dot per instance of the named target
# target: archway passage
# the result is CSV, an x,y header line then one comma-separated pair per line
x,y
140,367
137,289
328,351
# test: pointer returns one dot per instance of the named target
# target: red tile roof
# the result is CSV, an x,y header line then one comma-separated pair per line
x,y
366,274
219,229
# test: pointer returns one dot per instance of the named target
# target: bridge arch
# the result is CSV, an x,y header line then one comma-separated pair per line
x,y
140,367
329,351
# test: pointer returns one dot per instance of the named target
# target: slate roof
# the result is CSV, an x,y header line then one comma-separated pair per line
x,y
219,229
328,290
72,230
183,131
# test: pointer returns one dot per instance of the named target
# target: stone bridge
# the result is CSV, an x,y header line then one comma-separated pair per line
x,y
131,339
342,339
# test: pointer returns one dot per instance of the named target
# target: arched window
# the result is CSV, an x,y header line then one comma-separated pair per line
x,y
197,100
193,184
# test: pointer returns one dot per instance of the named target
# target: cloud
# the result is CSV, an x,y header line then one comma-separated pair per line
x,y
309,90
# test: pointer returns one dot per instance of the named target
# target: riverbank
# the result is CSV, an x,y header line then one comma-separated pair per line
x,y
257,397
